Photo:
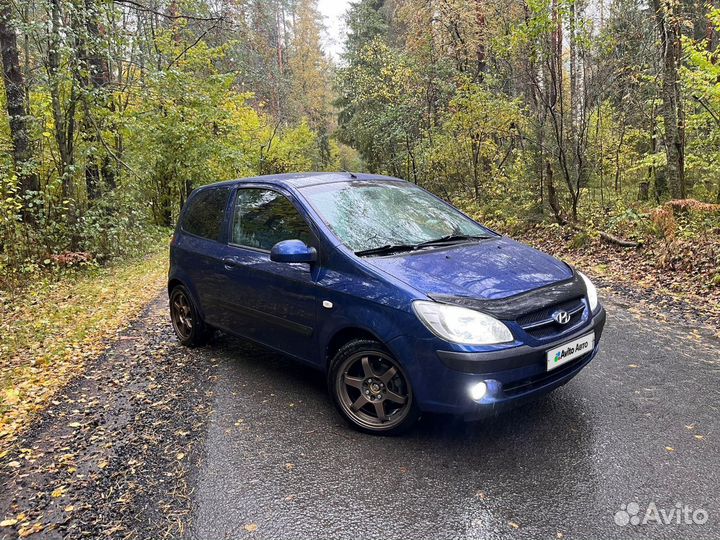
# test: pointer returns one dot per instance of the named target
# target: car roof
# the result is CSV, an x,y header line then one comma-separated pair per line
x,y
300,180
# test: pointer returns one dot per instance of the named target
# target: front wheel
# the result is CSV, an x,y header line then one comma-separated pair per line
x,y
189,327
371,390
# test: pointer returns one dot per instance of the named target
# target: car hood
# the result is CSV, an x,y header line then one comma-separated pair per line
x,y
487,269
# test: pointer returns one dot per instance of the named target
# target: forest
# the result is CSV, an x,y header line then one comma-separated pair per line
x,y
588,129
596,120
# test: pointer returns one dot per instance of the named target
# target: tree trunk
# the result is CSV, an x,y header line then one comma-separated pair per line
x,y
552,196
64,120
93,77
672,109
481,53
15,93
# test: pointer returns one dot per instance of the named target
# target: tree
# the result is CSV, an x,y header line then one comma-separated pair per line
x,y
309,66
668,23
17,108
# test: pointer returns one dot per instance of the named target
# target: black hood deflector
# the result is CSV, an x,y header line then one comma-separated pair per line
x,y
512,307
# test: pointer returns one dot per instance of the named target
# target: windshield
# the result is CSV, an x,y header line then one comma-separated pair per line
x,y
369,215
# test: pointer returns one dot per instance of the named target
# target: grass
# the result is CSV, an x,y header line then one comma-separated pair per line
x,y
49,330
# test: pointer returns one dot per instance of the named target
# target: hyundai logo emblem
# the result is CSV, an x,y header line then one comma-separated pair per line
x,y
561,317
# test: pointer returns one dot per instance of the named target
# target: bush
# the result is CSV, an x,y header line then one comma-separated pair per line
x,y
57,240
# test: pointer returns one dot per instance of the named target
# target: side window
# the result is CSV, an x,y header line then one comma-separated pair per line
x,y
264,217
206,214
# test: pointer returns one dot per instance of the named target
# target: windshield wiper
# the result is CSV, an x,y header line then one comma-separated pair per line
x,y
452,238
397,248
386,249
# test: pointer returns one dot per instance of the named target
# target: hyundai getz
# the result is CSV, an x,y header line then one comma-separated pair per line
x,y
407,304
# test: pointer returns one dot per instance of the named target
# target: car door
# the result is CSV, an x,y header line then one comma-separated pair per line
x,y
200,247
270,302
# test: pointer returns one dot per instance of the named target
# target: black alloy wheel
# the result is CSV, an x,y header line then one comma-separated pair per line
x,y
371,390
188,325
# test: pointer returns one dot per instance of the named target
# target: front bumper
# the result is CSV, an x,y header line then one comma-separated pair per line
x,y
513,376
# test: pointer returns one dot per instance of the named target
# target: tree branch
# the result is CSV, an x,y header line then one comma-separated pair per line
x,y
147,9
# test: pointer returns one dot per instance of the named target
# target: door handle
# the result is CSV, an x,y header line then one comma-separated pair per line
x,y
230,262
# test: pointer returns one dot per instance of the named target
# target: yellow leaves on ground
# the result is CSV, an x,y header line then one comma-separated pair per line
x,y
251,527
25,529
51,329
24,532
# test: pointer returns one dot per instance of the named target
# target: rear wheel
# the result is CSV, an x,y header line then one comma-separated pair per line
x,y
371,390
189,327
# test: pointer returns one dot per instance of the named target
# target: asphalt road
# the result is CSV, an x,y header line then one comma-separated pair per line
x,y
639,425
231,441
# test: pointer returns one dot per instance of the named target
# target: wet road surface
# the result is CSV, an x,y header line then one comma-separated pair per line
x,y
639,425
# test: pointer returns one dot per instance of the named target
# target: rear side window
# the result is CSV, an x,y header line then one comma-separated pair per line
x,y
205,214
264,217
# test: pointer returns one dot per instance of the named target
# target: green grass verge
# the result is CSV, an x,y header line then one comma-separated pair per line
x,y
51,328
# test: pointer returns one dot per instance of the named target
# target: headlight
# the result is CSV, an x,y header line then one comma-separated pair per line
x,y
591,292
461,325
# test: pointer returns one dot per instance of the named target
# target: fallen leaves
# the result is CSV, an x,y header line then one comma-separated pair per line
x,y
251,527
98,479
51,329
24,532
8,522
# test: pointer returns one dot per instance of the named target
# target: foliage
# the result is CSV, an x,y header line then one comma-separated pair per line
x,y
533,111
471,148
380,105
297,149
51,327
132,107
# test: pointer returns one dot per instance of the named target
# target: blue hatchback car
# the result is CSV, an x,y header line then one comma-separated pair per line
x,y
406,304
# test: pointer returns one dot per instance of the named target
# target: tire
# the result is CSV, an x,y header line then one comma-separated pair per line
x,y
189,327
371,390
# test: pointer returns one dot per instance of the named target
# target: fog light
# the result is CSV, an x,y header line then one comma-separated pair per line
x,y
477,391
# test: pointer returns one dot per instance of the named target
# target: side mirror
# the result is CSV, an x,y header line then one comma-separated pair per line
x,y
293,251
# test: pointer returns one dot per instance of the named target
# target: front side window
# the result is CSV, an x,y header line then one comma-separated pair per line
x,y
366,215
264,217
206,213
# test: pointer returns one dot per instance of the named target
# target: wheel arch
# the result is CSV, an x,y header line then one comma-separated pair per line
x,y
175,281
172,283
345,335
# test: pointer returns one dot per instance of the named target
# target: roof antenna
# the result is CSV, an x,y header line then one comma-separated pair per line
x,y
352,175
